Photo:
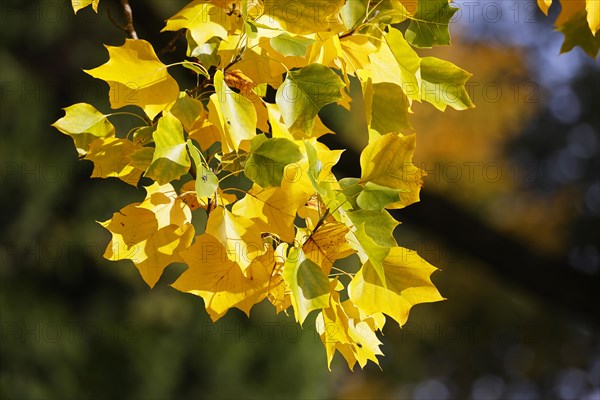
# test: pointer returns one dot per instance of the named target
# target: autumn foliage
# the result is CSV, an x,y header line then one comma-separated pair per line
x,y
240,150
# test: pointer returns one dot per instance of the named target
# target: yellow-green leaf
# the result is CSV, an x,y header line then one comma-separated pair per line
x,y
170,159
307,283
84,124
397,62
443,84
304,93
288,45
206,180
387,161
268,159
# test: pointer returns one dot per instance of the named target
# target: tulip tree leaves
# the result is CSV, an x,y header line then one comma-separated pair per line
x,y
277,218
304,93
268,158
579,21
137,77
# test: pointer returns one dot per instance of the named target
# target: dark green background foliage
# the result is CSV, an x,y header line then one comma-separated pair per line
x,y
518,324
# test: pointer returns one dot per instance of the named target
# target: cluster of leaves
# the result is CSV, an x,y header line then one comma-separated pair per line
x,y
579,21
241,149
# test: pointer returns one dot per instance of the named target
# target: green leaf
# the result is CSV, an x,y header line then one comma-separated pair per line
x,y
206,180
84,124
577,33
443,84
308,284
353,13
170,159
194,67
378,225
187,110
429,25
289,45
236,113
143,135
376,197
268,159
304,92
206,53
371,250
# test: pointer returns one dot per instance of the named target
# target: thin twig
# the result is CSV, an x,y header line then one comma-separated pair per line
x,y
128,27
170,47
128,20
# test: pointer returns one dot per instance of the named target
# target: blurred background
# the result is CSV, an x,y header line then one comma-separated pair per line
x,y
510,212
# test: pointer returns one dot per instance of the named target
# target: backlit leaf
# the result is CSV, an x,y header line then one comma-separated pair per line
x,y
429,26
137,77
387,162
170,159
304,93
220,281
407,282
443,84
112,157
84,124
289,45
268,159
151,233
236,114
307,282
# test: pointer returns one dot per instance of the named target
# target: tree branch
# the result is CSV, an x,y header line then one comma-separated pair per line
x,y
129,28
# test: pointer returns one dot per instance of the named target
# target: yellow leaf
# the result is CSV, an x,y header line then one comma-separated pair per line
x,y
203,20
341,328
274,209
220,281
397,62
593,15
137,77
387,161
151,233
112,158
327,245
232,113
79,4
304,17
544,5
240,236
407,282
279,295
